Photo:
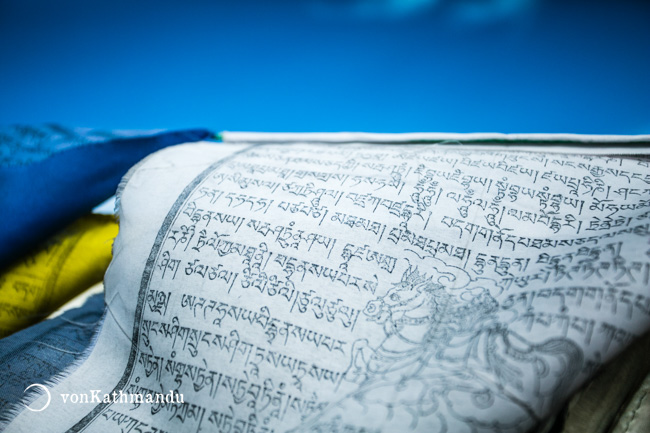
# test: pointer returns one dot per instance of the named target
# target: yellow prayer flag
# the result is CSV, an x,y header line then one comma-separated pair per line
x,y
64,266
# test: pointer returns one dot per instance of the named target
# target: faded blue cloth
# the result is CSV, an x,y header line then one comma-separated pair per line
x,y
40,352
51,175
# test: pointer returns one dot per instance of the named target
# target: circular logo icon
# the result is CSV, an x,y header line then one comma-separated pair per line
x,y
45,390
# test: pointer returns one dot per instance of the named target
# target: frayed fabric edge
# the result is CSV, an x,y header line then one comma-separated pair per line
x,y
14,410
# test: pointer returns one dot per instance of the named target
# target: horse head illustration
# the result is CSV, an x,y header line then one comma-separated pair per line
x,y
418,295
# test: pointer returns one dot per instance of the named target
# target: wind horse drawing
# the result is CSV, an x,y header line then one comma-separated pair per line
x,y
447,361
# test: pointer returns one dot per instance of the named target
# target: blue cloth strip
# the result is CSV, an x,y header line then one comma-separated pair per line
x,y
53,180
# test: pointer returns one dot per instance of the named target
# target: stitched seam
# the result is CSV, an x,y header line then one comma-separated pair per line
x,y
638,406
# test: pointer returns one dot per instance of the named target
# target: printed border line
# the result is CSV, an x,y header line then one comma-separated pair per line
x,y
146,279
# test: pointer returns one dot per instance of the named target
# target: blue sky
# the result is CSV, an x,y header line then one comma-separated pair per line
x,y
329,65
